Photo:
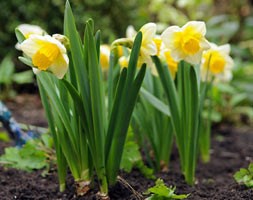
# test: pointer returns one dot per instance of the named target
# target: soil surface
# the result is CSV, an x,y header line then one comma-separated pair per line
x,y
231,149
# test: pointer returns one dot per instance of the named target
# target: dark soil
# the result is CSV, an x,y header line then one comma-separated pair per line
x,y
231,149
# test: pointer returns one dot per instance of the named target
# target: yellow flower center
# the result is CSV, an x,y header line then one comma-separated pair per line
x,y
191,45
172,64
215,61
45,56
188,41
158,42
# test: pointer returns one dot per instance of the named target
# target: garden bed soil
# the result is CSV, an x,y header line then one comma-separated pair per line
x,y
231,149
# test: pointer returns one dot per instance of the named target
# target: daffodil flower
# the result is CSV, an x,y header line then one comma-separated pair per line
x,y
186,43
27,30
165,55
104,56
47,54
217,62
158,42
148,46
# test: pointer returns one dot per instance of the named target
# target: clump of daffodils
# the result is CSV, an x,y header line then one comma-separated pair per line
x,y
217,63
186,43
44,52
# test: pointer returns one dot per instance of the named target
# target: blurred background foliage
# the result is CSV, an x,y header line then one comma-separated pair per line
x,y
228,21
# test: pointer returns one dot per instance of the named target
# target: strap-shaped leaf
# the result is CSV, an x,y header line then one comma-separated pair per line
x,y
61,160
125,112
157,103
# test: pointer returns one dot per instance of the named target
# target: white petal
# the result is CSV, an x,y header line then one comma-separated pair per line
x,y
60,67
224,48
199,26
149,49
204,44
176,54
148,32
30,46
28,29
168,36
194,59
130,32
35,70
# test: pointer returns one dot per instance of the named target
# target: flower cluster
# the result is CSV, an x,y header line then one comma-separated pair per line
x,y
173,45
187,43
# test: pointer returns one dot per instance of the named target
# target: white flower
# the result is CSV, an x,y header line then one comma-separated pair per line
x,y
186,43
27,30
217,62
148,46
47,54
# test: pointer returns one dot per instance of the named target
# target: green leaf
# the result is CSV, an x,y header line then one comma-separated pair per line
x,y
250,168
26,61
4,137
160,188
6,70
131,154
245,176
19,35
158,104
161,191
28,158
23,77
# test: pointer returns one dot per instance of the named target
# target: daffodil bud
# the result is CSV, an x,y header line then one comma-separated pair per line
x,y
62,39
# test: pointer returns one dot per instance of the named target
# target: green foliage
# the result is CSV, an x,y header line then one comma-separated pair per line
x,y
111,16
161,192
131,157
4,137
8,77
155,132
33,155
245,176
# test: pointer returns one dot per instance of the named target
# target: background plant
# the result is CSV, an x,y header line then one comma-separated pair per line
x,y
8,77
152,126
245,176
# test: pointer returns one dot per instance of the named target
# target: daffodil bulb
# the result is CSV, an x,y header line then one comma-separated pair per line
x,y
186,43
27,30
46,54
104,56
217,62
